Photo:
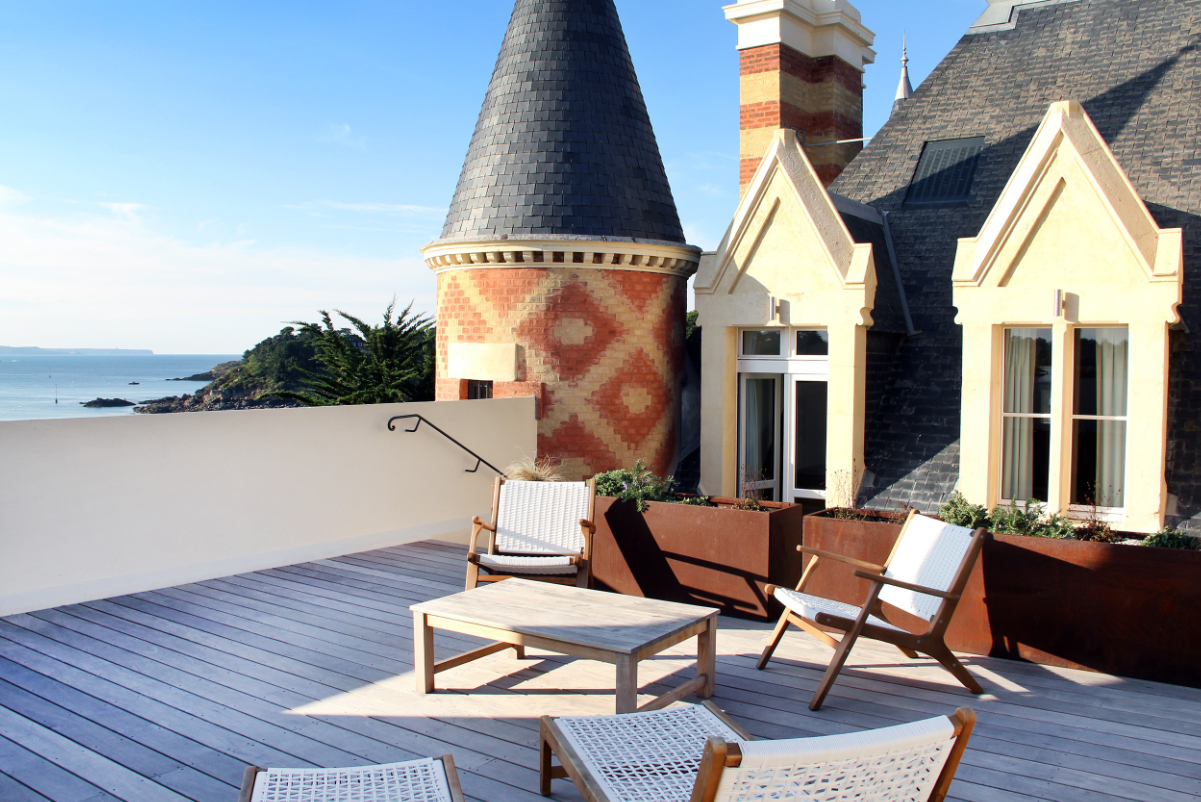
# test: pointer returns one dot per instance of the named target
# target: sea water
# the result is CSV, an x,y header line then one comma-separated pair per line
x,y
54,386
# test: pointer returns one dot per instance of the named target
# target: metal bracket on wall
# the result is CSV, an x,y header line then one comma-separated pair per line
x,y
420,420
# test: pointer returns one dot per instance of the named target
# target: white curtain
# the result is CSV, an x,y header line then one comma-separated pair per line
x,y
760,430
1112,383
1017,478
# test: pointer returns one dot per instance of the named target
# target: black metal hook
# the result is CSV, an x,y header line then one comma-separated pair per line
x,y
420,420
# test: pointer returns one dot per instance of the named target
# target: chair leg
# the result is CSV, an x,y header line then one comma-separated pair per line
x,y
912,655
840,657
473,575
776,636
582,576
544,765
951,663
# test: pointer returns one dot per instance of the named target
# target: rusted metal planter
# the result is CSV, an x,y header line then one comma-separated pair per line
x,y
1125,610
714,556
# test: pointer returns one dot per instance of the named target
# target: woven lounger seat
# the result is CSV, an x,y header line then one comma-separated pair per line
x,y
810,607
697,753
538,530
924,576
425,780
512,564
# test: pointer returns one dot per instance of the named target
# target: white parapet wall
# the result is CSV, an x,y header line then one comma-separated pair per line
x,y
93,508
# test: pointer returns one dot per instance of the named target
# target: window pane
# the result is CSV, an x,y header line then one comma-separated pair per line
x,y
1099,462
811,435
760,462
761,343
1028,371
1101,371
1026,459
812,343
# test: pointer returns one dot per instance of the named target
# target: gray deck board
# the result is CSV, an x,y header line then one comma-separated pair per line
x,y
165,695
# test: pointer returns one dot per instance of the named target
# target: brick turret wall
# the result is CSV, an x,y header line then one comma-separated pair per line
x,y
783,88
602,350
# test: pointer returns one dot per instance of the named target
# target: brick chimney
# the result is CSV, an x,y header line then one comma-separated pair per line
x,y
802,65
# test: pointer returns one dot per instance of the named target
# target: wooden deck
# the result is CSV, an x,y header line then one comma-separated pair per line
x,y
167,695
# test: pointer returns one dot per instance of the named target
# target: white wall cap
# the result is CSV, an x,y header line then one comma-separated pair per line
x,y
816,28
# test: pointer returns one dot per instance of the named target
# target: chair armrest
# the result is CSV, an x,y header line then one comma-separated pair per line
x,y
829,555
477,526
885,580
589,529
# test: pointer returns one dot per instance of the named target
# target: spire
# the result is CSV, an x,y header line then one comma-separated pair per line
x,y
904,88
564,145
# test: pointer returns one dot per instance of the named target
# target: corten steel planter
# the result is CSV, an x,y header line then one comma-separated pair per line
x,y
1125,610
714,556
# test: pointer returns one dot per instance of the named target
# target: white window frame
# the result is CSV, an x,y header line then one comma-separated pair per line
x,y
792,368
1085,511
1048,417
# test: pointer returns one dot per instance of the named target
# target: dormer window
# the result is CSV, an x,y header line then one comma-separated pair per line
x,y
945,172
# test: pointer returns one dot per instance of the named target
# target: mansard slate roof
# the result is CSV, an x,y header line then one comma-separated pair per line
x,y
564,145
1135,67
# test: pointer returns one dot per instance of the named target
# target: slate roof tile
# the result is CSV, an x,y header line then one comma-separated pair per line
x,y
564,116
1135,65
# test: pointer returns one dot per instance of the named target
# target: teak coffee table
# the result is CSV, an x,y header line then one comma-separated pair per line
x,y
622,630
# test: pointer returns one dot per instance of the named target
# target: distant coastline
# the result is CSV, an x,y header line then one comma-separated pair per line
x,y
8,350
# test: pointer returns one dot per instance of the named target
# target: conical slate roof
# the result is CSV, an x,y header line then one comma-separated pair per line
x,y
564,145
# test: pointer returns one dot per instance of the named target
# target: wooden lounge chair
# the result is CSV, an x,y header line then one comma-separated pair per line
x,y
925,575
695,753
426,780
538,530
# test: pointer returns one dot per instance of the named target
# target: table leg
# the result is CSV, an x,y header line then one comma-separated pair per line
x,y
423,653
706,658
627,683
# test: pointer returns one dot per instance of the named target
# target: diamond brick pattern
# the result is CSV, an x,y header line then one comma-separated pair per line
x,y
564,144
602,349
1135,65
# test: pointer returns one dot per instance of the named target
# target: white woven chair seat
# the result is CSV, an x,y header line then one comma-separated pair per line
x,y
541,566
895,763
645,757
809,607
414,781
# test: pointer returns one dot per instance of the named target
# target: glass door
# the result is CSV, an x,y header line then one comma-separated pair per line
x,y
759,427
808,440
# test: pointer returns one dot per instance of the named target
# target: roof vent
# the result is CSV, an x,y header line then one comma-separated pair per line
x,y
945,171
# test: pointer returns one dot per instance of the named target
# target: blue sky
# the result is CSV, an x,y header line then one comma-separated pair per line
x,y
187,177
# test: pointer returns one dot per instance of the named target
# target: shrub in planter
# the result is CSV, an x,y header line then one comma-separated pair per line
x,y
638,486
1171,538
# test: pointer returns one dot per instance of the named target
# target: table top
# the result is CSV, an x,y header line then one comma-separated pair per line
x,y
609,621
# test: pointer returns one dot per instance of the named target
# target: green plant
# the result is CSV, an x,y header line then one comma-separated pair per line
x,y
370,364
1172,538
639,485
697,501
748,504
959,511
1016,520
528,469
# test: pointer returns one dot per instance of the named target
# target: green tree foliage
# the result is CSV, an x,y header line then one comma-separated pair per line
x,y
276,364
367,364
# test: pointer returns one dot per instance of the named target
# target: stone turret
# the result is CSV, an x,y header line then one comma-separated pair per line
x,y
562,266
